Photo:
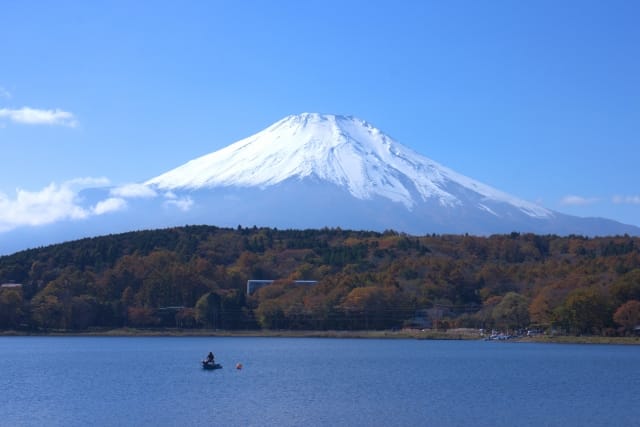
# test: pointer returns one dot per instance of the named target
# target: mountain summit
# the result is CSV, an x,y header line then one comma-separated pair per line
x,y
341,150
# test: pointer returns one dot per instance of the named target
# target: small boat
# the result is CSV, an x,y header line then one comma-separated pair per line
x,y
210,365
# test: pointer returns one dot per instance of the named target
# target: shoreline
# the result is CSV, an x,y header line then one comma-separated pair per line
x,y
452,334
171,332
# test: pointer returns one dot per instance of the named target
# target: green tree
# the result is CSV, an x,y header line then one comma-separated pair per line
x,y
186,318
512,312
83,311
48,312
627,287
585,311
208,310
270,314
11,308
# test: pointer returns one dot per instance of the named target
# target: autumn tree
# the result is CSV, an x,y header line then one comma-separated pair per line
x,y
373,307
541,309
628,315
366,279
142,317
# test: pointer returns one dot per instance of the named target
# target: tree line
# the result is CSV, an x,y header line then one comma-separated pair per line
x,y
195,277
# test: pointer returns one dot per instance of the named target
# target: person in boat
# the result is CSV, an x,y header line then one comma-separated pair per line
x,y
210,358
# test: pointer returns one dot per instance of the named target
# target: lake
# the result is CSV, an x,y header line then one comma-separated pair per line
x,y
108,381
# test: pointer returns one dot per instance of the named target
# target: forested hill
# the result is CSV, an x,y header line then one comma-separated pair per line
x,y
195,276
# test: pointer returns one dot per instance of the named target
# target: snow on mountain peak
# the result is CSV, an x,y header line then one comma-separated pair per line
x,y
342,150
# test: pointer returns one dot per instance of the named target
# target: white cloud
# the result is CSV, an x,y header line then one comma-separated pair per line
x,y
51,204
88,182
573,200
33,116
134,191
55,202
112,204
183,204
4,93
626,200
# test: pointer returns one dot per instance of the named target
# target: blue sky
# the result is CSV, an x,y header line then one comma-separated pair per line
x,y
539,99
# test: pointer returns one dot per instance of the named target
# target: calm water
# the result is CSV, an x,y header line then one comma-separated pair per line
x,y
315,382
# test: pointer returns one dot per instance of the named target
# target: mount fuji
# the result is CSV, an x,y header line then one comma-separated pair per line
x,y
313,171
316,170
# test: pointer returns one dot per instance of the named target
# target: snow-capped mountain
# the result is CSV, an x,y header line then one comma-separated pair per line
x,y
315,170
311,171
344,151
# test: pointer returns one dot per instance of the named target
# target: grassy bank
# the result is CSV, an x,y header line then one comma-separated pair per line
x,y
453,334
429,334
